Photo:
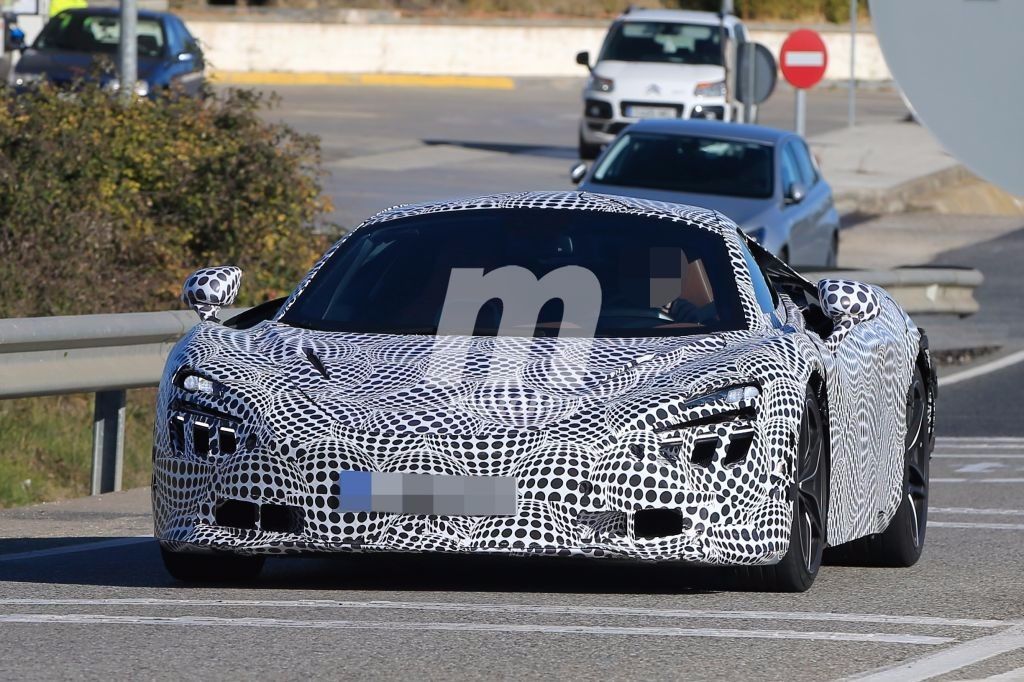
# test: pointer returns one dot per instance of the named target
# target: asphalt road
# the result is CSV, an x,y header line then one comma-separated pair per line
x,y
83,597
384,146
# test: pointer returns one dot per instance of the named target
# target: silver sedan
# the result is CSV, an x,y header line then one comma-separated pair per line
x,y
764,179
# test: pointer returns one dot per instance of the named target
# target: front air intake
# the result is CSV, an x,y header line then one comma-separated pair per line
x,y
657,523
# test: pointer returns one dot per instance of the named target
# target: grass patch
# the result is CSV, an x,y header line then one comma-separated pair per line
x,y
46,446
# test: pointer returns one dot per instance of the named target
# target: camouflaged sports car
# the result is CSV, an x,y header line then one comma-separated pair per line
x,y
561,374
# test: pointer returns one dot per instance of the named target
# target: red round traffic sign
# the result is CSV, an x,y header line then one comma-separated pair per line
x,y
803,58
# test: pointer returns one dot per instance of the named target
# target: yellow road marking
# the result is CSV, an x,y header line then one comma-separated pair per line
x,y
367,79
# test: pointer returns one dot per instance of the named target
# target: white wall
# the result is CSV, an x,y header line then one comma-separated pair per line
x,y
450,49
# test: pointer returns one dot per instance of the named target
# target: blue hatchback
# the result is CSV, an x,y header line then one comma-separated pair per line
x,y
68,46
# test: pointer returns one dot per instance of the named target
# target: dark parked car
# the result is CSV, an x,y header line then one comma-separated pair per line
x,y
67,48
764,179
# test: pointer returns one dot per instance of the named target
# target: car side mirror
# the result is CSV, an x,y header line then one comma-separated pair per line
x,y
848,303
578,172
583,58
795,193
208,290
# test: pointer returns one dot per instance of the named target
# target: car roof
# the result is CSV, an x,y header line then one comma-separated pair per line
x,y
726,131
116,12
566,201
678,16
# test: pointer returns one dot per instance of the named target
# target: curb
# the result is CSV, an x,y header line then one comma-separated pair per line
x,y
408,80
919,290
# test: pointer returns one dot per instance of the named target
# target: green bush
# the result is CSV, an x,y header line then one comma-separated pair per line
x,y
106,207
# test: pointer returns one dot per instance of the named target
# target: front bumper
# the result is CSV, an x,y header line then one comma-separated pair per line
x,y
280,499
604,118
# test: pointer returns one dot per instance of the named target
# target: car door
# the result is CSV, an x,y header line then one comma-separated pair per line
x,y
797,212
186,58
818,200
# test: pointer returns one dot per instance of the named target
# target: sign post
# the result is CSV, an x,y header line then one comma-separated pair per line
x,y
803,60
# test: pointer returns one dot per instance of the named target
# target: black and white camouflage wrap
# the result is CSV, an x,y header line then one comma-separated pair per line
x,y
209,289
586,448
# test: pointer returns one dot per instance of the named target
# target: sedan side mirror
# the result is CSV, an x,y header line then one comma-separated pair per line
x,y
848,304
208,290
578,172
795,193
583,58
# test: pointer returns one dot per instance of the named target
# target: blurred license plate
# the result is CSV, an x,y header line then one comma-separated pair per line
x,y
650,112
427,494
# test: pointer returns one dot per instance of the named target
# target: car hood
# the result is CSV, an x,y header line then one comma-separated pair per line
x,y
650,81
742,211
65,65
410,385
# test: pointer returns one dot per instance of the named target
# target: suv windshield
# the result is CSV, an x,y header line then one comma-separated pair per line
x,y
97,33
683,163
650,277
655,41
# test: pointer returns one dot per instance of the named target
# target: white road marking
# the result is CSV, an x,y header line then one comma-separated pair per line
x,y
980,468
981,439
192,621
974,456
80,547
982,526
950,659
805,58
533,609
973,510
976,480
982,369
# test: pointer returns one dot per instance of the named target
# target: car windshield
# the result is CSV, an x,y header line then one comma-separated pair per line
x,y
684,163
656,41
80,32
634,275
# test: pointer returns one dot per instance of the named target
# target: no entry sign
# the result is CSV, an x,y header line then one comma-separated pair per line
x,y
803,59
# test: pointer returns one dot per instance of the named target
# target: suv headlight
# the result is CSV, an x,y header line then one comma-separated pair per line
x,y
141,87
24,79
598,84
710,89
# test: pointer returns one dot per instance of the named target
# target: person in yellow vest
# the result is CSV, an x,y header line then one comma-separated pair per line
x,y
58,6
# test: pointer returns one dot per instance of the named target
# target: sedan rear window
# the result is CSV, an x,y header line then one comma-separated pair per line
x,y
682,163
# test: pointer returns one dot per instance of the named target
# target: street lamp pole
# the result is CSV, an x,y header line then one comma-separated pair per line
x,y
851,115
128,55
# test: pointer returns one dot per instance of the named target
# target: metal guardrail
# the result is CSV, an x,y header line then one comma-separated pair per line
x,y
920,290
107,354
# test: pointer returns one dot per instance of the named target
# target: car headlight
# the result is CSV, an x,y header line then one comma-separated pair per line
x,y
757,234
141,87
731,402
599,84
24,79
193,382
710,89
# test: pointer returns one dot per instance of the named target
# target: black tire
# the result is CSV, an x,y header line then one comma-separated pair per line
x,y
901,543
219,567
588,152
808,533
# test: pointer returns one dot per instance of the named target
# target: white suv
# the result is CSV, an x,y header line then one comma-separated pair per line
x,y
657,64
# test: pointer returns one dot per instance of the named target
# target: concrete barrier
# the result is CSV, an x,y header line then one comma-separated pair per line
x,y
522,50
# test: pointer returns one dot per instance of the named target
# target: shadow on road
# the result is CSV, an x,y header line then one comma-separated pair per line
x,y
139,565
546,151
